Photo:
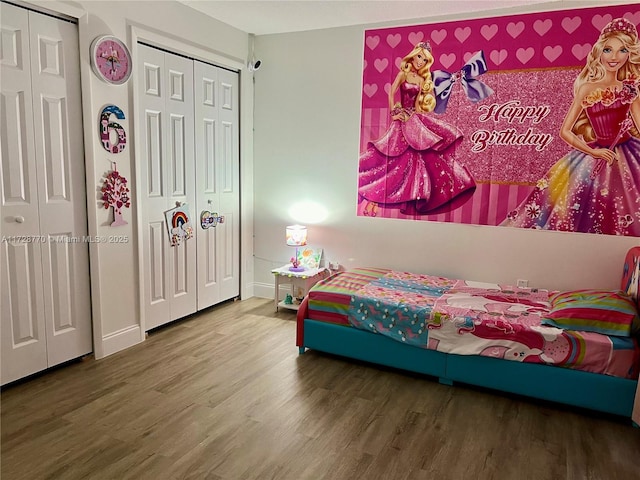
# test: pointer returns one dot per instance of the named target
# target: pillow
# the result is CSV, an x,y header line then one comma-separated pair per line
x,y
601,311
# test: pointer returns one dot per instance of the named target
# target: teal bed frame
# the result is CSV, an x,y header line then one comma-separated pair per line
x,y
592,391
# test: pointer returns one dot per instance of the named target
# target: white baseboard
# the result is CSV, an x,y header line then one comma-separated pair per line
x,y
114,342
264,290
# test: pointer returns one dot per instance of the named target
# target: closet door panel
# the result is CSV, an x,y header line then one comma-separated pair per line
x,y
157,269
23,337
62,187
217,168
19,185
229,184
181,173
207,199
167,179
24,347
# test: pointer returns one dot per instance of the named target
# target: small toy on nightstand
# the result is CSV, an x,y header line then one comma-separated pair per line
x,y
295,264
288,300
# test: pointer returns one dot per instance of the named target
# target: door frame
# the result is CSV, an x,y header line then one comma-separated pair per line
x,y
157,39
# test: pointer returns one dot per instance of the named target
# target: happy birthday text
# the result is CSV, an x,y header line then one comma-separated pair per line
x,y
511,112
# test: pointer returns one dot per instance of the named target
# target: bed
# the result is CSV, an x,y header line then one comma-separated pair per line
x,y
578,348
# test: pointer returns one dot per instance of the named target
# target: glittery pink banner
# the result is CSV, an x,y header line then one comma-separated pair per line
x,y
510,138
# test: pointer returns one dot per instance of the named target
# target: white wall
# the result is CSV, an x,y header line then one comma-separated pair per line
x,y
115,288
307,119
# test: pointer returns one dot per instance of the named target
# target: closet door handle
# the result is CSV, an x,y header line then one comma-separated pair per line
x,y
19,219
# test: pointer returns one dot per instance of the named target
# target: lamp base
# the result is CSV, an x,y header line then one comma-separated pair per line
x,y
297,269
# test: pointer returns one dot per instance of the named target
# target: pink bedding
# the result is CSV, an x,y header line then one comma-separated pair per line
x,y
489,322
468,318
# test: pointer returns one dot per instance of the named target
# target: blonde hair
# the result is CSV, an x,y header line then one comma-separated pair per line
x,y
426,100
594,71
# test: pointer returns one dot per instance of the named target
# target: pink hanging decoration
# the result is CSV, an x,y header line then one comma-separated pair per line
x,y
115,193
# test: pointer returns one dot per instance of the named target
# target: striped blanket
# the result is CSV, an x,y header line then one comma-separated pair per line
x,y
329,299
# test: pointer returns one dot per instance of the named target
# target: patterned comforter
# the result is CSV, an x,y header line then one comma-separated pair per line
x,y
470,318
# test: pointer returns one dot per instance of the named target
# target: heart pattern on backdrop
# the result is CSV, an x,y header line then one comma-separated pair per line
x,y
447,59
513,37
381,63
416,37
515,29
393,40
498,56
525,54
372,42
581,51
370,89
438,36
489,31
634,17
551,53
541,27
599,21
571,24
462,33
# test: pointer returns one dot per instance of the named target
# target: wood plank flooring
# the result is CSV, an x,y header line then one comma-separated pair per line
x,y
225,395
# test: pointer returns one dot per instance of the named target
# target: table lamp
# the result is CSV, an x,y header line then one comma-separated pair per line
x,y
296,237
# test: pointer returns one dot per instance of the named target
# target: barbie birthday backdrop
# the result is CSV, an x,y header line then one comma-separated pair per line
x,y
526,121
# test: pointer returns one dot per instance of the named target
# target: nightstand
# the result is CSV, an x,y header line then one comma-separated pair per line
x,y
300,283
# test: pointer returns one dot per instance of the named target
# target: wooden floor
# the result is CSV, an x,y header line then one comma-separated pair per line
x,y
225,395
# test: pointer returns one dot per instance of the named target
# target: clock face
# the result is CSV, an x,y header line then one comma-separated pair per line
x,y
111,60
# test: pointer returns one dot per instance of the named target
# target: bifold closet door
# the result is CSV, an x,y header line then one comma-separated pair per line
x,y
167,169
217,182
46,311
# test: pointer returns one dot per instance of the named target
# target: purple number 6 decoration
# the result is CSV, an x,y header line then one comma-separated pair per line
x,y
106,126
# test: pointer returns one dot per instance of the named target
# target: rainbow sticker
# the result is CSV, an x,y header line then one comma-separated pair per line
x,y
179,219
178,225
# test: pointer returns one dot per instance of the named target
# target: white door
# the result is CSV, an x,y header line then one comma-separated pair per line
x,y
167,178
46,313
217,183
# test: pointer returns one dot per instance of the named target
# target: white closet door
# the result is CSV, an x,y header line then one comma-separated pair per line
x,y
24,343
46,316
181,177
57,113
152,188
167,176
217,182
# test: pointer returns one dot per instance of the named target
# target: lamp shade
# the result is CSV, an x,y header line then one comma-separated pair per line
x,y
296,235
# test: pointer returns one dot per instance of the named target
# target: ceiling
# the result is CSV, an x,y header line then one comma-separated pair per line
x,y
263,17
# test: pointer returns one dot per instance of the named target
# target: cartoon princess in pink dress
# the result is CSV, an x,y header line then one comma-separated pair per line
x,y
595,188
412,166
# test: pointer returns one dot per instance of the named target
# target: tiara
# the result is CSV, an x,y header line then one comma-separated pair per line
x,y
621,25
424,45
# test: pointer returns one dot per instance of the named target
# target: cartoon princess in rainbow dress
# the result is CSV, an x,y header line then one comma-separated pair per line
x,y
595,188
